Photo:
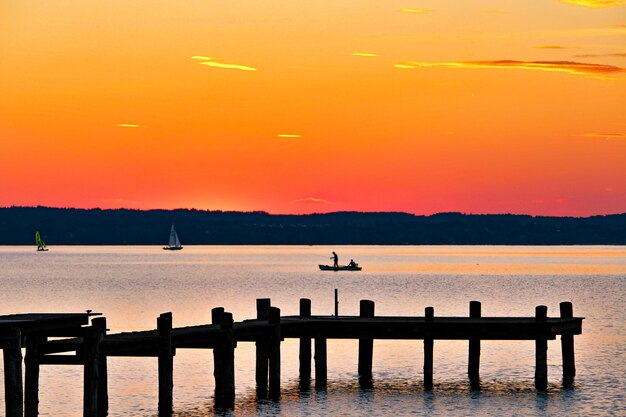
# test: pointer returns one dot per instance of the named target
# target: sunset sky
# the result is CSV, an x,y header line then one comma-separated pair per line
x,y
291,106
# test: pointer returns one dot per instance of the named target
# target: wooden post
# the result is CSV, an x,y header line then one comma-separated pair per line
x,y
541,349
166,364
216,319
262,358
100,324
336,303
91,343
305,347
429,317
473,364
225,354
31,379
366,348
13,391
567,346
274,354
321,374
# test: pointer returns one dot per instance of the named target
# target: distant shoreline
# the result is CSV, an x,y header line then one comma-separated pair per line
x,y
97,227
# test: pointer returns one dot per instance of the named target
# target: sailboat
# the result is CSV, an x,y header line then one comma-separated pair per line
x,y
174,243
41,245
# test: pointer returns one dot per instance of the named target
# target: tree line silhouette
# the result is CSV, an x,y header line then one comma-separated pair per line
x,y
69,226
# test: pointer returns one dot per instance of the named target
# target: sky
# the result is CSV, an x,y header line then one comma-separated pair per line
x,y
292,106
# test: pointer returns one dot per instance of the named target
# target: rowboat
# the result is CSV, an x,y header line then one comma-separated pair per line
x,y
339,268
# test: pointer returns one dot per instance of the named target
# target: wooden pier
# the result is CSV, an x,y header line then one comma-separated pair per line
x,y
89,345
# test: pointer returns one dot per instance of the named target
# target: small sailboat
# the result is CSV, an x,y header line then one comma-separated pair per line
x,y
174,243
41,245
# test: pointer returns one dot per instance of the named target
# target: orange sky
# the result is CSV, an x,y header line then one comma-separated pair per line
x,y
296,106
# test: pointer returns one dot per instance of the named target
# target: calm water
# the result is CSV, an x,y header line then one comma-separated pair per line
x,y
132,285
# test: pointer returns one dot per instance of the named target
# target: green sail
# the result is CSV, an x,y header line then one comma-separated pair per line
x,y
39,241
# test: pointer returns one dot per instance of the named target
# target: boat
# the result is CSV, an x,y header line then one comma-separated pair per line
x,y
41,245
340,268
174,243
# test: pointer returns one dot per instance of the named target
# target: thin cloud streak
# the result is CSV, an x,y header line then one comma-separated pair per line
x,y
595,4
550,47
417,11
366,54
312,200
288,135
209,62
615,55
605,135
126,125
569,67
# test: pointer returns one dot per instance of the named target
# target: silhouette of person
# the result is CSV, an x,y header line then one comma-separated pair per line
x,y
335,259
352,263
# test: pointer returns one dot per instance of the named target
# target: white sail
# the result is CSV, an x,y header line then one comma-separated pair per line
x,y
174,241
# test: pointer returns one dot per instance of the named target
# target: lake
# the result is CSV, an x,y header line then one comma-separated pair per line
x,y
131,286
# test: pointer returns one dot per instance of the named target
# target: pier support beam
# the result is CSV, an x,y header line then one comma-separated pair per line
x,y
166,364
262,356
567,347
224,358
473,364
321,367
100,324
13,391
91,380
305,347
541,349
274,354
366,348
429,315
31,383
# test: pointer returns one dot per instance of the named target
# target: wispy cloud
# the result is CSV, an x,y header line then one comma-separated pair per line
x,y
126,125
288,135
415,11
569,67
595,4
605,135
209,62
366,54
615,55
314,200
550,47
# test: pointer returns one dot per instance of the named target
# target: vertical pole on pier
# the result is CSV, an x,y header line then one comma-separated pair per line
x,y
473,364
541,349
100,324
321,370
224,353
31,378
305,347
366,347
567,346
13,391
262,358
166,364
91,342
274,354
429,317
336,303
218,365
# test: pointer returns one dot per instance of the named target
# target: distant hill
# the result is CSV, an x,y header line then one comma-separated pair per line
x,y
59,226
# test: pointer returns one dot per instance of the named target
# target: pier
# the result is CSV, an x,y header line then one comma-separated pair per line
x,y
82,339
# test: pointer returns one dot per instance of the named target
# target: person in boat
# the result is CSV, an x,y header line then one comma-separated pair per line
x,y
352,264
335,259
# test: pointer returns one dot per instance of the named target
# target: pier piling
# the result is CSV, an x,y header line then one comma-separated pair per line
x,y
473,364
262,355
274,354
224,354
31,378
91,355
166,364
366,347
321,371
567,346
541,349
100,324
305,347
429,316
13,391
